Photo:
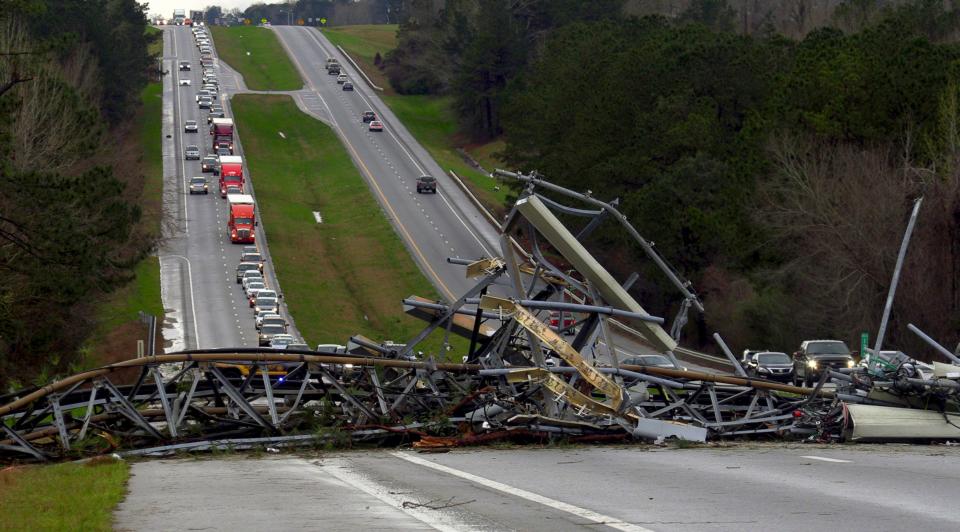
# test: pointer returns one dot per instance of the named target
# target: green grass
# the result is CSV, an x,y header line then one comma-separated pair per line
x,y
267,66
62,496
143,293
152,163
429,118
364,40
349,274
156,47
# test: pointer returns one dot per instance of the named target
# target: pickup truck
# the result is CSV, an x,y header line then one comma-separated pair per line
x,y
817,356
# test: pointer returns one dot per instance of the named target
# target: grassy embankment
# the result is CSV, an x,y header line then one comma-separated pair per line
x,y
62,496
257,54
348,274
118,327
429,118
82,497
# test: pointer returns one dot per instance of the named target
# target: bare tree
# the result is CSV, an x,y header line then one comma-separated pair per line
x,y
840,211
55,122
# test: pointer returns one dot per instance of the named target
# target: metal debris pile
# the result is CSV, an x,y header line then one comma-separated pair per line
x,y
543,362
889,397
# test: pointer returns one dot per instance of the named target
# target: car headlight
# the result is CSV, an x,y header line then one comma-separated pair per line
x,y
850,363
763,370
812,364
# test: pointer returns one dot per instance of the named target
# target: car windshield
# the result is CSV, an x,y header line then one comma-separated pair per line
x,y
272,329
274,320
266,301
198,181
827,348
255,286
192,149
427,179
269,293
773,358
242,267
191,122
243,221
253,257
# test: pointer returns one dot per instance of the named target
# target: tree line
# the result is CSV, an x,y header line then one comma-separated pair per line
x,y
776,173
71,73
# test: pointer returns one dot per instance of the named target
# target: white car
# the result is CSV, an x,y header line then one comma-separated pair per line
x,y
342,78
184,82
281,341
253,287
271,319
250,276
266,305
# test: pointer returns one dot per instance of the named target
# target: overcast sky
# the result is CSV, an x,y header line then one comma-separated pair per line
x,y
165,7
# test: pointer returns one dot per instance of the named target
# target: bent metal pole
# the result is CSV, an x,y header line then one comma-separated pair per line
x,y
896,275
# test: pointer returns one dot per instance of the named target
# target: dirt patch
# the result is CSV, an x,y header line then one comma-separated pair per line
x,y
119,344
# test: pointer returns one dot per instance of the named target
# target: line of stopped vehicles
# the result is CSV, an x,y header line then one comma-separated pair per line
x,y
227,167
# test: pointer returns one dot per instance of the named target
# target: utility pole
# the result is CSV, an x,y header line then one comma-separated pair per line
x,y
896,275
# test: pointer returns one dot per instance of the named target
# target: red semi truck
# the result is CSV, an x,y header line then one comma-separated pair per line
x,y
231,173
242,218
222,131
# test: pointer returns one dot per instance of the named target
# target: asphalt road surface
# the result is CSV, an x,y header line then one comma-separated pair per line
x,y
205,306
758,487
433,226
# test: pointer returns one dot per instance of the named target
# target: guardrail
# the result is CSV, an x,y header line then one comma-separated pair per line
x,y
360,70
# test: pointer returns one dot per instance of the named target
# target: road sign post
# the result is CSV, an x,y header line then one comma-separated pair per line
x,y
864,346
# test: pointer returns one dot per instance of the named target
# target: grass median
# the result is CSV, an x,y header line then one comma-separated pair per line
x,y
348,274
256,53
429,118
62,496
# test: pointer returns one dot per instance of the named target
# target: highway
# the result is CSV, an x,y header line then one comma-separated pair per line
x,y
433,227
743,487
748,486
205,307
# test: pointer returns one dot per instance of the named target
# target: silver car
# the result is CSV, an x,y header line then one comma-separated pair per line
x,y
282,341
263,305
251,276
190,126
271,319
191,153
198,185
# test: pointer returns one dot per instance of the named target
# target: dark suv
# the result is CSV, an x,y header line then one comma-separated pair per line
x,y
817,356
426,183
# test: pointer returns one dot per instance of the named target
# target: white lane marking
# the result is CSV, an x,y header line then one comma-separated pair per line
x,y
178,123
193,302
437,520
824,459
590,515
317,217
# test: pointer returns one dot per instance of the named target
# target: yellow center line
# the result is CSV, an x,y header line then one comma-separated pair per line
x,y
393,213
370,178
